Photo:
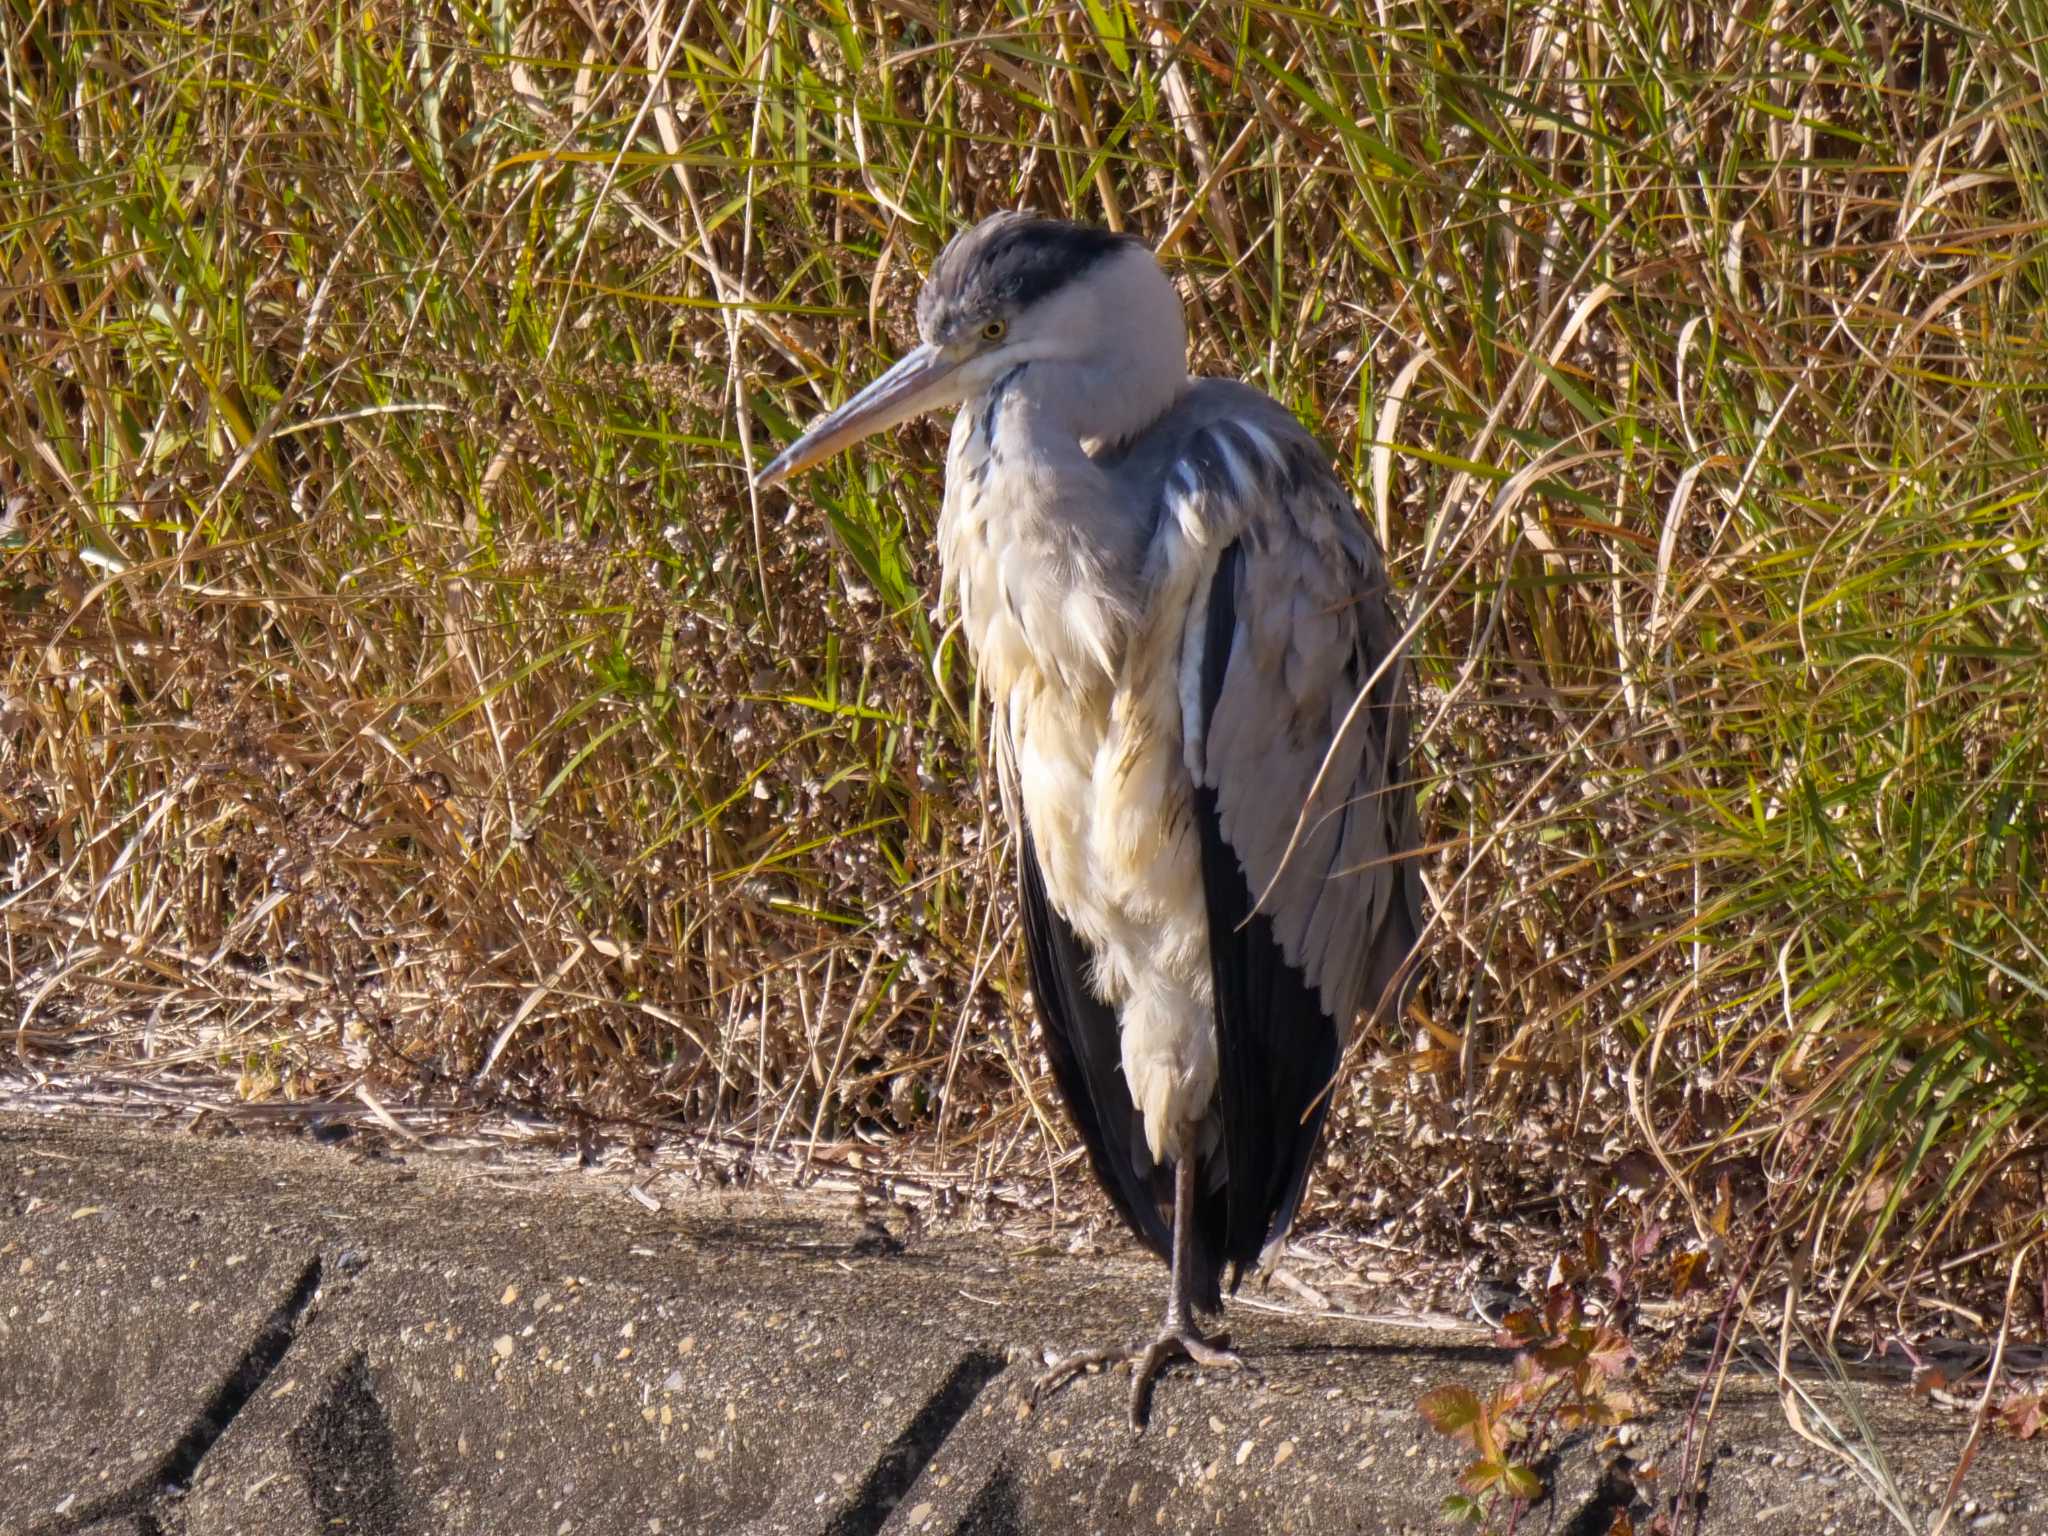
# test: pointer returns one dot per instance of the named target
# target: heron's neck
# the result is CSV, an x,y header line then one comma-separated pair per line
x,y
1100,409
1041,554
1043,476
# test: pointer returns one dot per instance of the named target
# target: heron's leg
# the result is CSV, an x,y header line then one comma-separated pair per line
x,y
1177,1338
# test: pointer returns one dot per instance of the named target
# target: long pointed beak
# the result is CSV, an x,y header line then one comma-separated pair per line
x,y
919,382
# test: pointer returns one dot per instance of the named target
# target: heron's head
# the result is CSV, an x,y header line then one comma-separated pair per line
x,y
1089,310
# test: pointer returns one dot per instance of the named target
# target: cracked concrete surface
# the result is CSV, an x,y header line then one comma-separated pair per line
x,y
260,1335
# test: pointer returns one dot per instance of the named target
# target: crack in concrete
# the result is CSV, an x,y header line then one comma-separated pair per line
x,y
175,1472
909,1453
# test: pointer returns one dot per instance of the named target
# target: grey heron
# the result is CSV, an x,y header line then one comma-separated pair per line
x,y
1199,727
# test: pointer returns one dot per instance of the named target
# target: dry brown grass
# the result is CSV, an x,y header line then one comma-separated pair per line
x,y
402,685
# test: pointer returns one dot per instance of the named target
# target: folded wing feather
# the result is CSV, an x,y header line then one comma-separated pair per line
x,y
1304,802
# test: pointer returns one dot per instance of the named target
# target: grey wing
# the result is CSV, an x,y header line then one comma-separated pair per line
x,y
1303,802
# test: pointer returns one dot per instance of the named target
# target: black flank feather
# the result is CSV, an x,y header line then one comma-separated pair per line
x,y
1086,1051
1276,1047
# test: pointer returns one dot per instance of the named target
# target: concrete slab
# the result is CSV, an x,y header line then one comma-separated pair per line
x,y
131,1312
525,1391
386,1345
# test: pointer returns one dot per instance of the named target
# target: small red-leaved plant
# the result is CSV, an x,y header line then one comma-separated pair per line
x,y
1567,1375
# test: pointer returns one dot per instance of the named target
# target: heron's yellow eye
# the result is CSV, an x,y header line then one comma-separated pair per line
x,y
994,330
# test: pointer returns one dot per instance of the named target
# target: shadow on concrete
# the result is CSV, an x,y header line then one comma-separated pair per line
x,y
996,1510
908,1454
345,1451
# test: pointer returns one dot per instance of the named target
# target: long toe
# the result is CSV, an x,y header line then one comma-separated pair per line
x,y
1176,1344
1146,1364
1217,1356
1067,1367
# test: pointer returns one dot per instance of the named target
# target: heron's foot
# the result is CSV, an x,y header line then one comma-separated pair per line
x,y
1179,1344
1146,1364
